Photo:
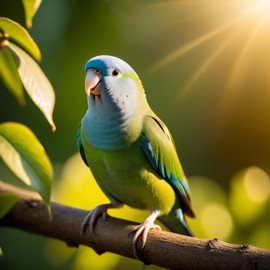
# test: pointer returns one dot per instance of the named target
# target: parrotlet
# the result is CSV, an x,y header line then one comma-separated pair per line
x,y
130,151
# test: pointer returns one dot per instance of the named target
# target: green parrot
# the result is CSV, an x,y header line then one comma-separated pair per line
x,y
130,151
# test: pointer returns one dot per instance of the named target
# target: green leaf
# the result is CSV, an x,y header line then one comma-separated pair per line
x,y
12,31
7,201
25,156
30,9
9,74
35,82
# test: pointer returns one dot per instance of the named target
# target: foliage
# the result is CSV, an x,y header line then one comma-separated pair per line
x,y
30,8
19,147
6,202
25,156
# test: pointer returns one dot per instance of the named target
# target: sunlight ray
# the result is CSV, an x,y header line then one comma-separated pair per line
x,y
239,67
196,42
238,76
198,74
182,3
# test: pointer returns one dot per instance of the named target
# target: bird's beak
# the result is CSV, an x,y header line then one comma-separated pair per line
x,y
92,81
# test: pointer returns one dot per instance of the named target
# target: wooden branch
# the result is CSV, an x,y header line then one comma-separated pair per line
x,y
165,249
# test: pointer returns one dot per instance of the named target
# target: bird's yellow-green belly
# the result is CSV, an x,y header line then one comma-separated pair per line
x,y
129,177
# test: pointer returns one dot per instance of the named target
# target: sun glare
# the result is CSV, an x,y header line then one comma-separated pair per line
x,y
229,37
264,5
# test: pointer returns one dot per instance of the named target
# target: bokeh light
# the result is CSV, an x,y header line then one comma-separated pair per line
x,y
247,199
217,222
257,184
209,200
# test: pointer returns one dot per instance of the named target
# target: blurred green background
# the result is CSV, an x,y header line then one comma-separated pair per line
x,y
205,66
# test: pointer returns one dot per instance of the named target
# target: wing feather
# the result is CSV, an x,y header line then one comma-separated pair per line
x,y
158,145
80,146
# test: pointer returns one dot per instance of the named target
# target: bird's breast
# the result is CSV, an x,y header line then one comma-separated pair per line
x,y
129,177
110,131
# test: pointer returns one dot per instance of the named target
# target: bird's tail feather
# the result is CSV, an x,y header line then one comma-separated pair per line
x,y
176,222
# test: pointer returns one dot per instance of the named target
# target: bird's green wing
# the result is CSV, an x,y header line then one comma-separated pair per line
x,y
158,145
80,146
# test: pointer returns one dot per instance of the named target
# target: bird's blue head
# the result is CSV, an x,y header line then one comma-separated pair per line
x,y
111,81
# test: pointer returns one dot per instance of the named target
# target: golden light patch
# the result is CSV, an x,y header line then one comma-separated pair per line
x,y
257,184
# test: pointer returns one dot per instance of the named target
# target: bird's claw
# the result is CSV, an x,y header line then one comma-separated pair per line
x,y
142,230
92,217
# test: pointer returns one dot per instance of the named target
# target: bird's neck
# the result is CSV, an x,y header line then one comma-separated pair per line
x,y
111,131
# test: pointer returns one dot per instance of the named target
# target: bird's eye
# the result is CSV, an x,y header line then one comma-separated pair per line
x,y
115,72
97,70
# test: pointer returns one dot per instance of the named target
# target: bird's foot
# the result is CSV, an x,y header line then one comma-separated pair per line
x,y
142,230
92,216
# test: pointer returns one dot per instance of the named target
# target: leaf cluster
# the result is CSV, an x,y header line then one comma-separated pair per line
x,y
20,149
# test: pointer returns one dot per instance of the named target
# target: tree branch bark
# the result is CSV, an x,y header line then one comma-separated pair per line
x,y
165,249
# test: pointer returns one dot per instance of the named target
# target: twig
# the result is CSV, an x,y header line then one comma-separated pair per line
x,y
165,249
